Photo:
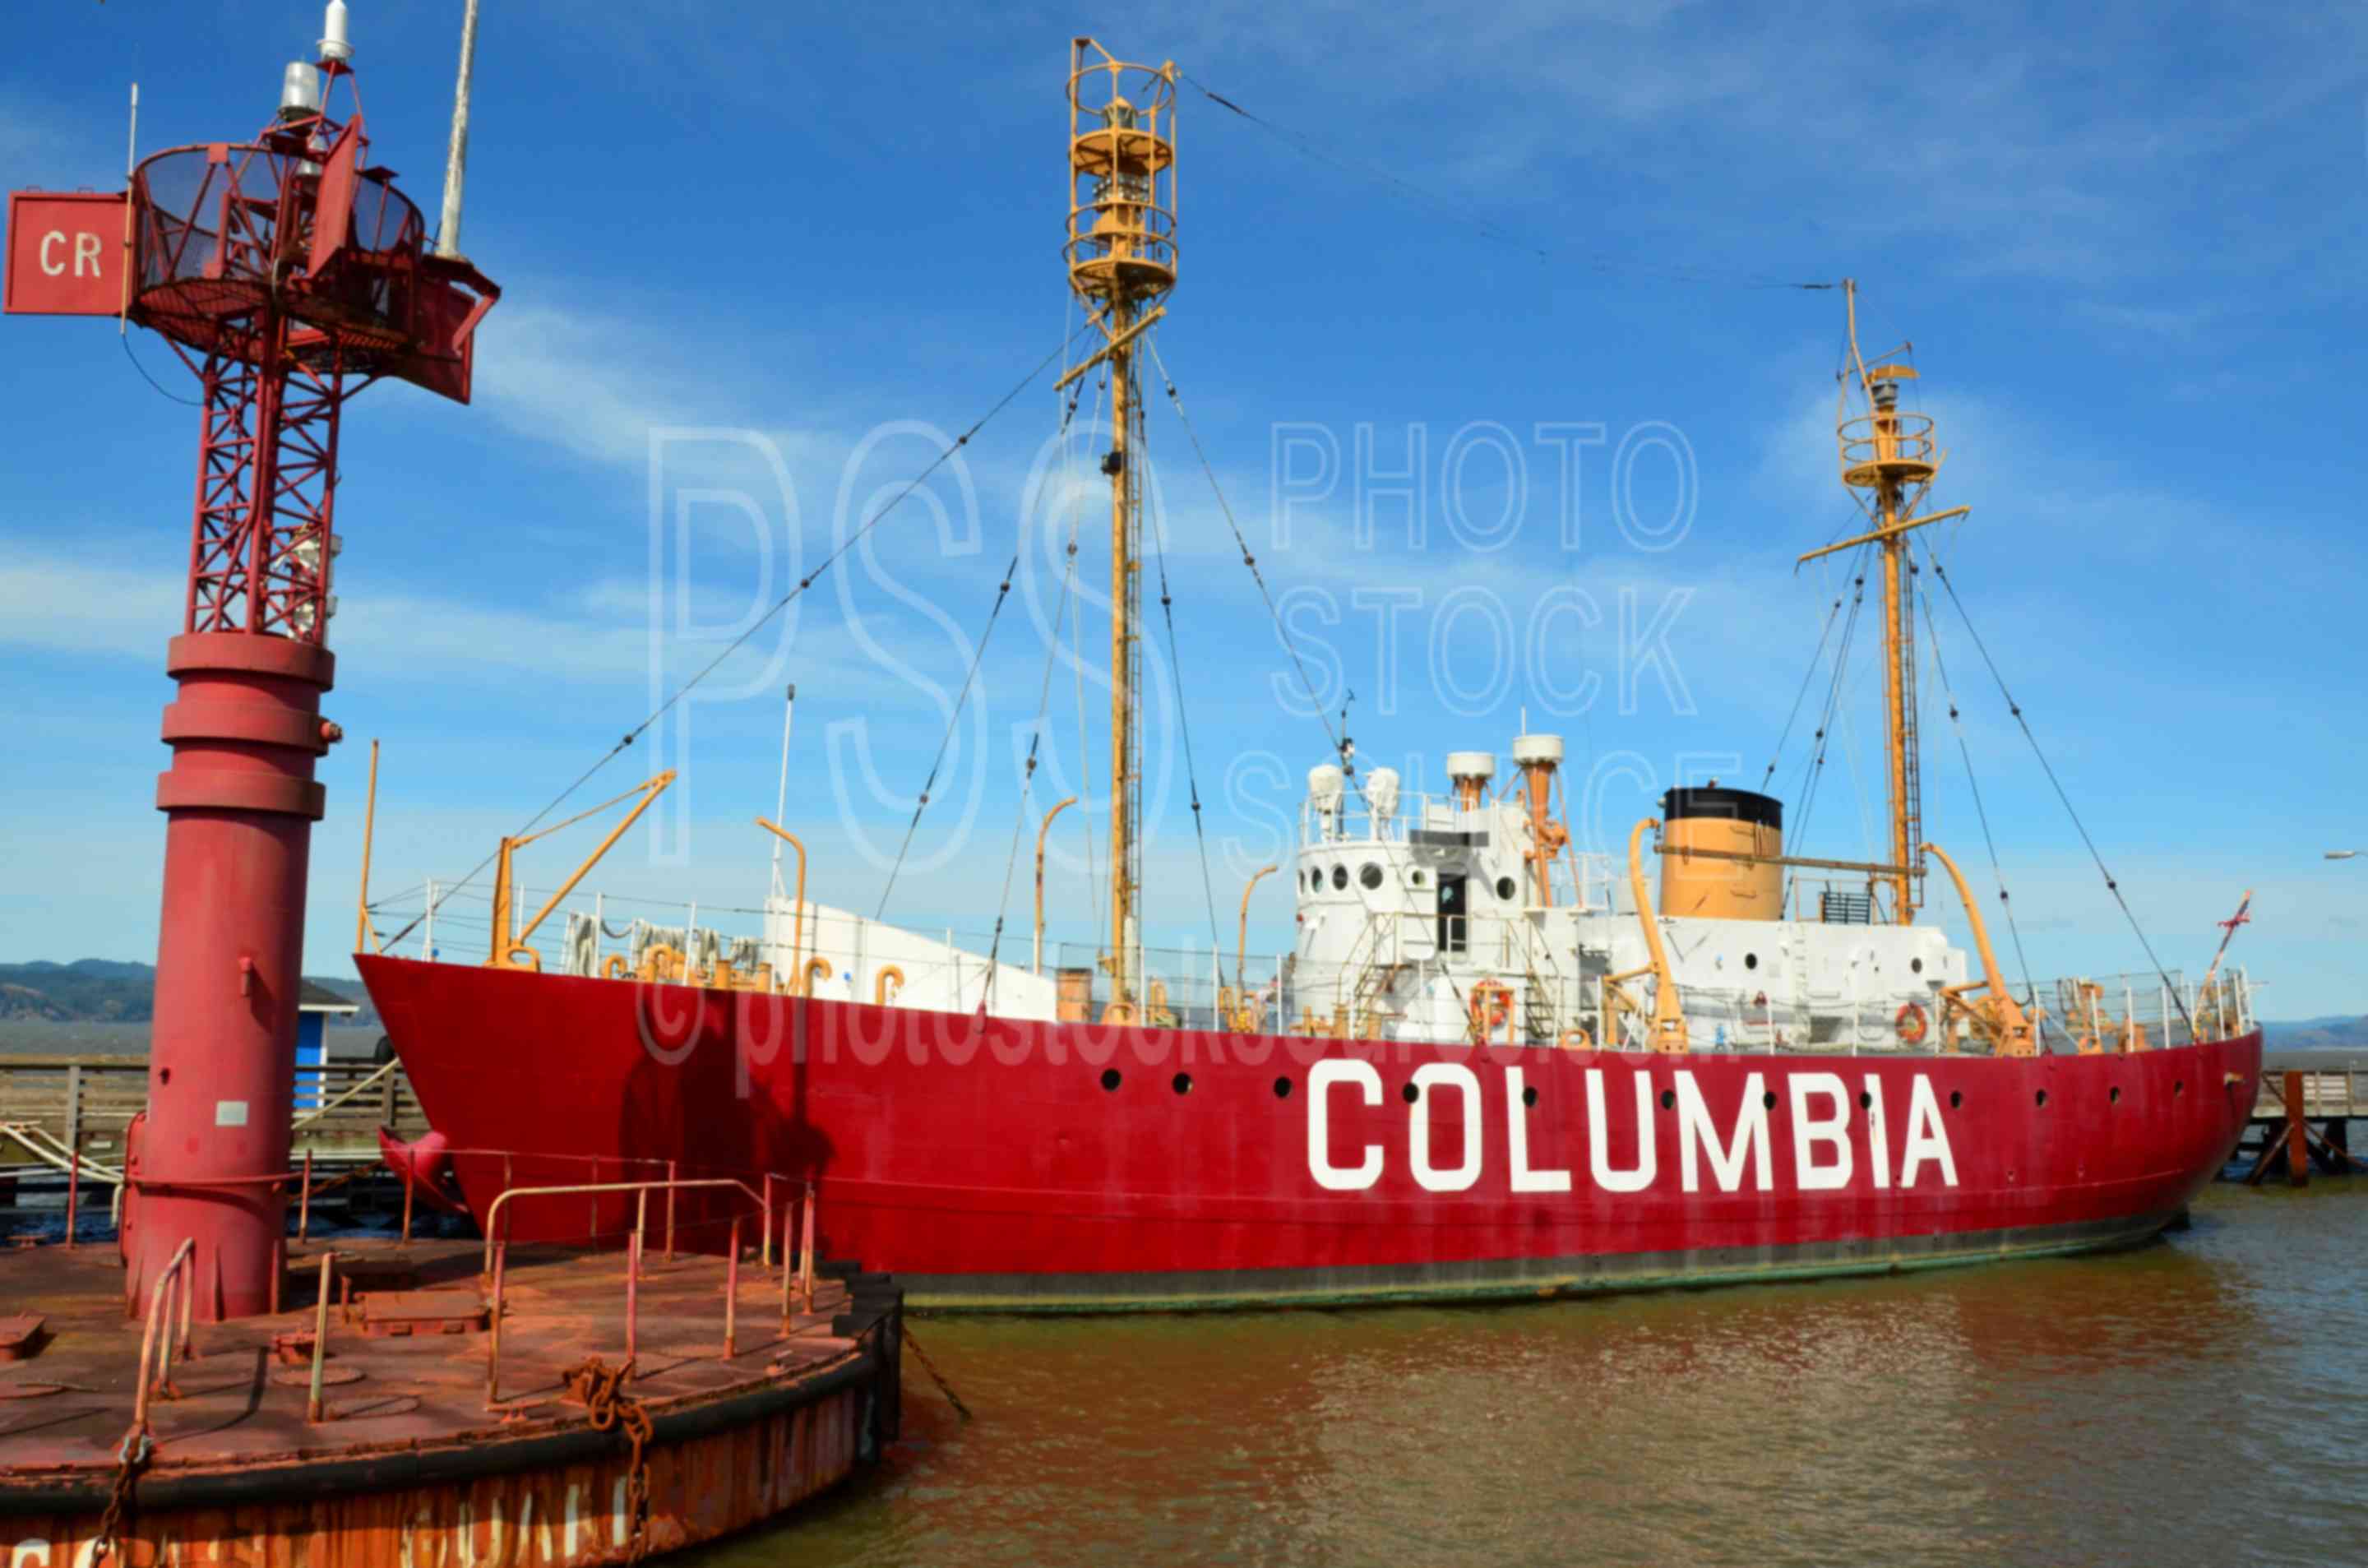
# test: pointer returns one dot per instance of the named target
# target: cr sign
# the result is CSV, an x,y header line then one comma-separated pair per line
x,y
66,253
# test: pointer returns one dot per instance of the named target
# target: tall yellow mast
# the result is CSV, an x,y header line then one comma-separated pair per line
x,y
1887,453
1121,252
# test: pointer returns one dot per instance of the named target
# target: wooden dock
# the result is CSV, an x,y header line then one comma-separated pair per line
x,y
2302,1118
52,1105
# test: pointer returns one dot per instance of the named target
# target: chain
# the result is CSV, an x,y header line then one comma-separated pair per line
x,y
131,1458
937,1377
600,1388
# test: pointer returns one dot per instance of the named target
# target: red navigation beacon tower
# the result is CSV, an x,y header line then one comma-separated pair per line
x,y
289,274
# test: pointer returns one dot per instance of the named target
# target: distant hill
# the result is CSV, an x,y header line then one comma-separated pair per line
x,y
2316,1034
104,991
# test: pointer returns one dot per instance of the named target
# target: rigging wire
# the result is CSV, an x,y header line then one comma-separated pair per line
x,y
1463,210
953,722
2015,707
1184,723
1964,750
1248,559
169,396
1807,676
1282,630
1812,772
1043,703
849,542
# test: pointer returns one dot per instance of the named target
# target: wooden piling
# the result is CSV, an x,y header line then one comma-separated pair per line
x,y
2298,1134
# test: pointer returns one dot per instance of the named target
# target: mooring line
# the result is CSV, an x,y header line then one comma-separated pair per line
x,y
931,1367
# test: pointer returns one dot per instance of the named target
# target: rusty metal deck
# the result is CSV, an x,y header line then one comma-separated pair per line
x,y
407,1427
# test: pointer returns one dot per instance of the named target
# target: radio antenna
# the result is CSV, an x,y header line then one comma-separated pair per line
x,y
456,159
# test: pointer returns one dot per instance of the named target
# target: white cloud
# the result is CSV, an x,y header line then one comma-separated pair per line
x,y
597,385
597,635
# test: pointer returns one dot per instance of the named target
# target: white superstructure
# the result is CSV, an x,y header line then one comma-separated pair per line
x,y
1417,914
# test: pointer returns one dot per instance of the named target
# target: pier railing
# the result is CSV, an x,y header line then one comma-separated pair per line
x,y
50,1104
2328,1094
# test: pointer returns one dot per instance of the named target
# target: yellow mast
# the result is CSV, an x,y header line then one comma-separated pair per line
x,y
1121,252
1887,452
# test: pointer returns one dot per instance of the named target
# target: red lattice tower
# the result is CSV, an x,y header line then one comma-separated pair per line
x,y
289,274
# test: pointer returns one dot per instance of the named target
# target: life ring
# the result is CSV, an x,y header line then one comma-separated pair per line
x,y
1492,1004
1577,1040
1912,1023
615,968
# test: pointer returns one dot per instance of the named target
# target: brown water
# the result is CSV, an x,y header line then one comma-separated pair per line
x,y
2203,1401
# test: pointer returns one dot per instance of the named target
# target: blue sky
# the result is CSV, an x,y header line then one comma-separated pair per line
x,y
2122,240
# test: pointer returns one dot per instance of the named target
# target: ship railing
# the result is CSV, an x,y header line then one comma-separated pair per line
x,y
1760,1018
797,1230
2115,1012
619,940
1187,988
1351,819
1887,436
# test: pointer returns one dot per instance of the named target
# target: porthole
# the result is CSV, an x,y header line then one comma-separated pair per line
x,y
1751,960
1368,875
1315,880
1669,1099
1282,1088
2040,1098
1340,877
1418,878
1181,1083
2113,1095
1865,1100
1529,1096
2178,1085
1504,889
1916,966
1956,1099
1109,1078
1410,1094
1767,1100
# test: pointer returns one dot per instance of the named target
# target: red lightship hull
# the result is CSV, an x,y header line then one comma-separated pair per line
x,y
997,1164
